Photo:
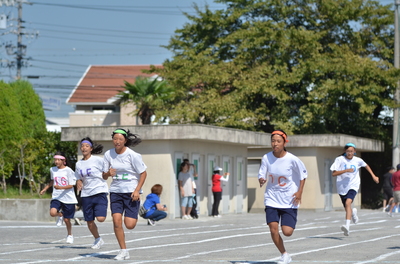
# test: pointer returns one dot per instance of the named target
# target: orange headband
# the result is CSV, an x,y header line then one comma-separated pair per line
x,y
280,133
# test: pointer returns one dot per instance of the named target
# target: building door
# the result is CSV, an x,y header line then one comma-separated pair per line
x,y
210,168
199,179
328,185
226,186
238,180
178,160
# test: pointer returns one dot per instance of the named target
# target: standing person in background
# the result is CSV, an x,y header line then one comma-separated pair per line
x,y
387,188
216,189
94,189
396,190
346,169
155,211
63,199
186,189
128,172
285,175
193,172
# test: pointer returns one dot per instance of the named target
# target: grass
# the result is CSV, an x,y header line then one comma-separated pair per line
x,y
13,193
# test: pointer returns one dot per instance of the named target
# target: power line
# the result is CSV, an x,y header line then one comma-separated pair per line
x,y
102,35
110,30
104,42
98,54
125,9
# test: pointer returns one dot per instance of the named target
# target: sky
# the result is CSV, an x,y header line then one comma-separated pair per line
x,y
64,37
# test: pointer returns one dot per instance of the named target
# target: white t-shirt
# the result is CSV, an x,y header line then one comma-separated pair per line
x,y
283,177
63,177
348,180
187,184
91,173
129,166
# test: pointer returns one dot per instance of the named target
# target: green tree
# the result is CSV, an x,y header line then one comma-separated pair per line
x,y
10,131
149,95
31,109
308,66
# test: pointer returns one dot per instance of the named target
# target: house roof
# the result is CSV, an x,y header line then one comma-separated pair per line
x,y
101,83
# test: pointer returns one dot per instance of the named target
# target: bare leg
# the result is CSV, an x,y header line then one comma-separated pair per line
x,y
188,210
93,229
119,230
68,225
348,209
183,208
276,237
391,207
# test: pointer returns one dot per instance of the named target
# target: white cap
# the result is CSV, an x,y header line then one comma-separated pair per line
x,y
217,168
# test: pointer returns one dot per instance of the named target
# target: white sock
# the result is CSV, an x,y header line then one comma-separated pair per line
x,y
123,249
348,223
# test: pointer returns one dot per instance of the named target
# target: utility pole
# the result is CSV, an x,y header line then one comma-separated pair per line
x,y
20,50
396,143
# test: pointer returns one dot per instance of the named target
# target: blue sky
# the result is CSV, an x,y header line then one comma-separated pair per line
x,y
74,34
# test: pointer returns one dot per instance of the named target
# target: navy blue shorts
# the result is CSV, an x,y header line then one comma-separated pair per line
x,y
68,210
287,216
94,206
351,194
122,202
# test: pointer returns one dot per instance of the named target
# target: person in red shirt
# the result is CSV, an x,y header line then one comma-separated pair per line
x,y
216,189
396,190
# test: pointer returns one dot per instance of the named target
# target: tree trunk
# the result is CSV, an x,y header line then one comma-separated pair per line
x,y
4,184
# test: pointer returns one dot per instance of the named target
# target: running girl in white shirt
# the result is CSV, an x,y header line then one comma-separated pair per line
x,y
128,171
63,198
285,175
94,189
346,170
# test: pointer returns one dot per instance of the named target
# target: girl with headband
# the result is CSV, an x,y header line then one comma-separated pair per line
x,y
94,189
346,170
285,175
128,172
63,198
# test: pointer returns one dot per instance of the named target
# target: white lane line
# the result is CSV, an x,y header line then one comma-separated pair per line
x,y
381,257
334,247
202,241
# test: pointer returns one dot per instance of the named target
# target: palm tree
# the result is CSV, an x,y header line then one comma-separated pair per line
x,y
148,95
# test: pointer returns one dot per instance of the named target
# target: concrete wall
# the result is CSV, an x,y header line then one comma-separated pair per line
x,y
25,210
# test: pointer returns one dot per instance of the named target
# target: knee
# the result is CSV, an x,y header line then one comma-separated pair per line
x,y
287,233
101,219
130,226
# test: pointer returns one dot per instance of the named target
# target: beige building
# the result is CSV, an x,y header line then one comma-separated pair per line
x,y
237,151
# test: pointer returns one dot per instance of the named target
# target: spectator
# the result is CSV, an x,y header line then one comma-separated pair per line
x,y
155,211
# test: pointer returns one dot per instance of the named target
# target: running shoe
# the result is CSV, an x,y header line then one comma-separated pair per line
x,y
285,258
122,255
354,216
151,222
70,239
345,230
98,243
60,221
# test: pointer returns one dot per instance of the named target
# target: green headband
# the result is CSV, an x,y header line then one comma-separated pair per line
x,y
120,131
